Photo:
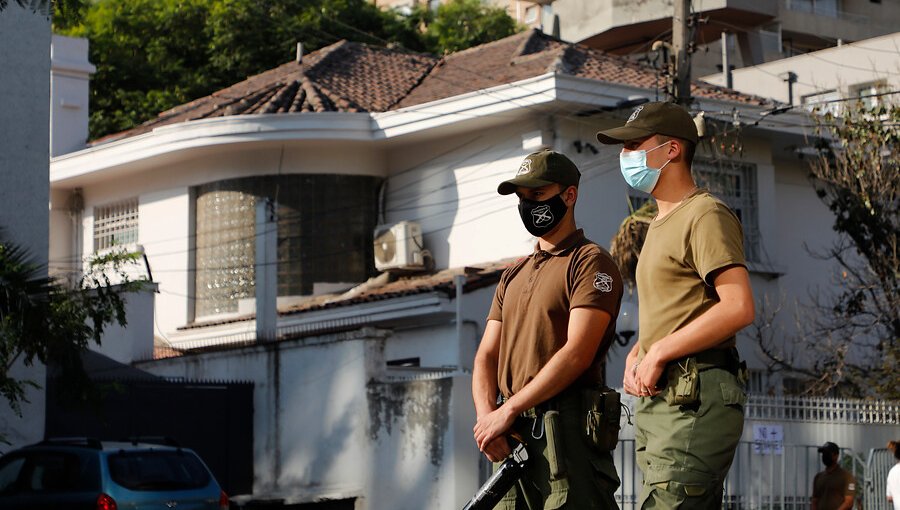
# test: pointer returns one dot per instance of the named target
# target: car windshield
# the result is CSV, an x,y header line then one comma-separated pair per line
x,y
158,470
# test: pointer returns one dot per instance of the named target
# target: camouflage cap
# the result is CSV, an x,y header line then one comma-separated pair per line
x,y
540,169
650,119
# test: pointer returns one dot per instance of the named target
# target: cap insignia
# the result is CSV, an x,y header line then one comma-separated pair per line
x,y
635,113
524,168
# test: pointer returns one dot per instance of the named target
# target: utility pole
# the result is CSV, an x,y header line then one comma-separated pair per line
x,y
682,47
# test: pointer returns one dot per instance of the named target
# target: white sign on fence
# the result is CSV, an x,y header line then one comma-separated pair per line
x,y
768,439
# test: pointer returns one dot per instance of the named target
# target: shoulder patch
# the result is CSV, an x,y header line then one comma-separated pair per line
x,y
603,282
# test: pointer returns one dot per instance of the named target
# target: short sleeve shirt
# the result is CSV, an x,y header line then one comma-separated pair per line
x,y
831,487
678,261
534,298
893,485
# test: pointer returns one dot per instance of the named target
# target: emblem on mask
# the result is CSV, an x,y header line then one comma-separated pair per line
x,y
603,282
541,215
525,167
635,113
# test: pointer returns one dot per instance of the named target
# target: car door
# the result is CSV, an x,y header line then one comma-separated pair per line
x,y
39,480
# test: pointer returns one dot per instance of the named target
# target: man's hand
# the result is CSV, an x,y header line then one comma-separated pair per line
x,y
497,450
648,373
629,382
492,426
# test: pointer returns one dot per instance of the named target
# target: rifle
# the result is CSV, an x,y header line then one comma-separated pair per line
x,y
500,482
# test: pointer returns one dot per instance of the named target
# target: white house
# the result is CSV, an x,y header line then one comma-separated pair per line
x,y
24,138
362,384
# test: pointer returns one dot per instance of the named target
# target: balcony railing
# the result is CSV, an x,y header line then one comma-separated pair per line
x,y
824,8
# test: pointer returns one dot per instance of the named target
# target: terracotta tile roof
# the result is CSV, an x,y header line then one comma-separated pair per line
x,y
381,288
533,53
346,77
353,77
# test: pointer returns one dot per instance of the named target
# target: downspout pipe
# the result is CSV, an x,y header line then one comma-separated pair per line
x,y
460,282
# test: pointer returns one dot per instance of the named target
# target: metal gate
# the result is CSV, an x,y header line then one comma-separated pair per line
x,y
214,419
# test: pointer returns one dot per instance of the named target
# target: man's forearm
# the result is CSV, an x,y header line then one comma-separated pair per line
x,y
484,386
559,373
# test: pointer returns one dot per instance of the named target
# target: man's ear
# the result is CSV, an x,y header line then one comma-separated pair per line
x,y
676,148
570,196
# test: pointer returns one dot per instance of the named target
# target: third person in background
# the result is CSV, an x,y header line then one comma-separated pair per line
x,y
833,488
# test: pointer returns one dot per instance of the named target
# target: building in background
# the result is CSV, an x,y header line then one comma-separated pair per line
x,y
863,69
757,31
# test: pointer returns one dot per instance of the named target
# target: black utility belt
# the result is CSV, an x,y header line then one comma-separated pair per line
x,y
568,395
597,407
726,359
681,379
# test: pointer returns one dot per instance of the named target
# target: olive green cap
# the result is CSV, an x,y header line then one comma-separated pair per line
x,y
540,169
651,119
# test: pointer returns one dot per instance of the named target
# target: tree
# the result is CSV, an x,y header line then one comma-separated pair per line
x,y
461,24
849,333
44,320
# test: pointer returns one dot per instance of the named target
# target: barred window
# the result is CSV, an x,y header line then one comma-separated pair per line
x,y
732,182
735,184
116,224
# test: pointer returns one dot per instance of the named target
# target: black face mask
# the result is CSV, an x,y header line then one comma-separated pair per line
x,y
541,217
827,459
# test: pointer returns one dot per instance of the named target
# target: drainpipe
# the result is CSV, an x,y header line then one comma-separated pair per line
x,y
76,209
266,271
460,281
726,66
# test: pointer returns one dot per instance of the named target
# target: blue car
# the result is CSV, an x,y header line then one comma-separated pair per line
x,y
88,474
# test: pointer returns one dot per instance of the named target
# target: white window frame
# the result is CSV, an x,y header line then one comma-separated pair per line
x,y
737,186
116,224
744,203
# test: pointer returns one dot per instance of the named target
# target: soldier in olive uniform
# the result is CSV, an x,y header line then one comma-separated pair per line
x,y
551,322
694,295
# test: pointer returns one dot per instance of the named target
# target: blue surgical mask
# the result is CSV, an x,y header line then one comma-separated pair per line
x,y
636,172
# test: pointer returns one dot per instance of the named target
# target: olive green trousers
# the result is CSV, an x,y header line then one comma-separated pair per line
x,y
577,476
685,451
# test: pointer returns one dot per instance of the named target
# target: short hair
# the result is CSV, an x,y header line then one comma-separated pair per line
x,y
689,147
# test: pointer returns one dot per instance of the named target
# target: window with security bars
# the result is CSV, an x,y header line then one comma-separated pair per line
x,y
735,184
116,224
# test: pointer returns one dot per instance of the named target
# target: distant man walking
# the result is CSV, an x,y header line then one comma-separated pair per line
x,y
551,322
694,295
833,488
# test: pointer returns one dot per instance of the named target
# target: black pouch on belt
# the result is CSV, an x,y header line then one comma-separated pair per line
x,y
604,410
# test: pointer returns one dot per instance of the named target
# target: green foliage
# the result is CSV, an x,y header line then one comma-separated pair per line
x,y
461,24
42,320
152,55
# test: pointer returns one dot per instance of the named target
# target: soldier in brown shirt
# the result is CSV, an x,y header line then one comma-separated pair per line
x,y
833,488
548,330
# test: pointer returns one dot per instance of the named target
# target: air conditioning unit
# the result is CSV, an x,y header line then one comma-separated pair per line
x,y
399,246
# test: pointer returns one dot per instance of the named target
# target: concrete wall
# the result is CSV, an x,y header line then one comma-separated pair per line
x,y
24,142
135,340
331,421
